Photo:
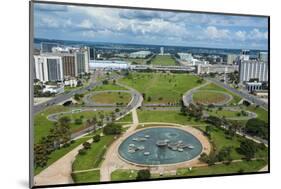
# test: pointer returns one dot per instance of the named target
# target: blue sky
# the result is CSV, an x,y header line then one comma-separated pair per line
x,y
98,24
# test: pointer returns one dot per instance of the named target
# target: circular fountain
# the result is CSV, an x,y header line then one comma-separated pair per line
x,y
160,145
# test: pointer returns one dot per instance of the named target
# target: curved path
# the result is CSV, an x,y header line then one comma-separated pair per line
x,y
187,97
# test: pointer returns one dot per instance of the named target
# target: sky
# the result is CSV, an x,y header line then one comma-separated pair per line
x,y
115,25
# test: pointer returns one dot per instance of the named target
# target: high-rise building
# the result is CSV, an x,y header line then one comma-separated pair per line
x,y
69,65
263,56
252,69
92,53
231,58
47,47
86,52
161,50
80,62
55,71
48,67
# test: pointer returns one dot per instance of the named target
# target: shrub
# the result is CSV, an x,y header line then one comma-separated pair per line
x,y
96,138
86,145
112,129
143,174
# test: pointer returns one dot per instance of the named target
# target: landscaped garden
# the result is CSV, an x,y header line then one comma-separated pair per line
x,y
112,98
163,60
213,87
161,87
210,97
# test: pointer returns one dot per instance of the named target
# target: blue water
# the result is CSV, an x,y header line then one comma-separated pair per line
x,y
160,155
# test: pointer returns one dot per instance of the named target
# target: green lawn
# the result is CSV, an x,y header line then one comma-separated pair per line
x,y
135,60
215,87
206,97
112,98
166,116
127,118
41,124
235,167
224,113
164,60
262,114
161,87
123,174
89,176
108,87
93,156
57,154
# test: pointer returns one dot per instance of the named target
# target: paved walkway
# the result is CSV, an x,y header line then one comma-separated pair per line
x,y
265,168
111,156
60,171
187,97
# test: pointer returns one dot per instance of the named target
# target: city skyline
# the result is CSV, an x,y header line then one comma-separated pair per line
x,y
115,25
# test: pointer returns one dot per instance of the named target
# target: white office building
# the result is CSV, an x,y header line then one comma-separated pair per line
x,y
140,54
48,67
108,64
252,69
186,56
232,59
161,50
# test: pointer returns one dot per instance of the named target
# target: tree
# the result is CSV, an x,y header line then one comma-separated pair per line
x,y
40,155
96,138
143,174
195,111
216,121
224,154
247,148
208,130
257,127
209,159
78,121
112,129
86,145
105,82
64,121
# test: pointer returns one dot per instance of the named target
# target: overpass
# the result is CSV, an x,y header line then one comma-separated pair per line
x,y
163,68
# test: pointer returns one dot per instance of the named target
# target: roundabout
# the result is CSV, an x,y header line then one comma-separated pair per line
x,y
208,97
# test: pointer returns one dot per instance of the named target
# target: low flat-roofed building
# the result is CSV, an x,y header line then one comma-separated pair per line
x,y
53,89
216,68
108,64
253,86
140,54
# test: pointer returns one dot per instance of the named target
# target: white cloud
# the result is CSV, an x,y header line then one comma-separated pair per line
x,y
214,33
257,34
49,22
87,24
241,35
